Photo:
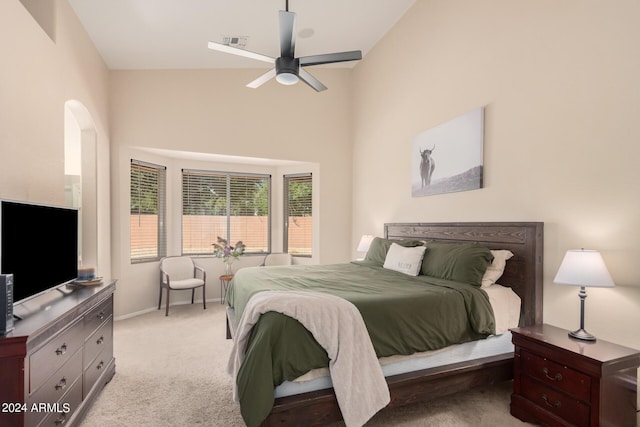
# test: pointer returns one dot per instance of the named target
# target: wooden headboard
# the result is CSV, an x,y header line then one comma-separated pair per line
x,y
525,239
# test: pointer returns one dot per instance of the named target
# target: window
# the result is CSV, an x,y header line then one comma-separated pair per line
x,y
234,206
298,214
147,219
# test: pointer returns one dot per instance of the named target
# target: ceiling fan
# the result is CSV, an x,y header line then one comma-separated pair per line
x,y
288,69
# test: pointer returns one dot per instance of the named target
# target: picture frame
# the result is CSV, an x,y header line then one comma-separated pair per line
x,y
448,158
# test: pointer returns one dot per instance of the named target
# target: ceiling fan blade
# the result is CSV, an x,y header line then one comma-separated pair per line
x,y
287,36
329,58
311,81
240,52
262,79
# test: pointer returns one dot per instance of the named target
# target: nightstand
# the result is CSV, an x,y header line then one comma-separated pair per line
x,y
561,381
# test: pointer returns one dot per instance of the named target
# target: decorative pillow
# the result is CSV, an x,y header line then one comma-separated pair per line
x,y
460,262
495,270
405,260
379,247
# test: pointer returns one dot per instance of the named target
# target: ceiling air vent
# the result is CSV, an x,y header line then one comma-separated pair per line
x,y
239,42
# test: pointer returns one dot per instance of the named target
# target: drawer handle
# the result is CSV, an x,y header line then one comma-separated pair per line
x,y
100,340
62,384
100,365
557,377
61,419
100,315
556,404
61,350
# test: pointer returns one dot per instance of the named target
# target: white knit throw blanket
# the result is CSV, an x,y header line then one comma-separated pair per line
x,y
337,326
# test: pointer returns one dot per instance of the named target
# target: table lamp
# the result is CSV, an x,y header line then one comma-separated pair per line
x,y
583,268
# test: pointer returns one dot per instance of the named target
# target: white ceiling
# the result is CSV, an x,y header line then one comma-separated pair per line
x,y
173,34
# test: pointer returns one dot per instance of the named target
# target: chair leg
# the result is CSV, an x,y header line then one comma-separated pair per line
x,y
193,294
204,299
167,310
160,298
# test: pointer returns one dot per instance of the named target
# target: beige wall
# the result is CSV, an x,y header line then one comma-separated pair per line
x,y
37,77
212,112
559,81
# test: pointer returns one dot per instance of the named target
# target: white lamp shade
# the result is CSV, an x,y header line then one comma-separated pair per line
x,y
365,242
582,267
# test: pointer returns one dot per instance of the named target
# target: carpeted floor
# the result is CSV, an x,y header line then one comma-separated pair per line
x,y
170,371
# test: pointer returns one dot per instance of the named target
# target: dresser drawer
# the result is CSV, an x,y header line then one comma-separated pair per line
x,y
54,388
100,339
94,318
97,367
65,408
566,379
566,407
50,357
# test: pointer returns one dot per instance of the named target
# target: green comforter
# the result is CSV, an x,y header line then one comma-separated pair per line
x,y
403,315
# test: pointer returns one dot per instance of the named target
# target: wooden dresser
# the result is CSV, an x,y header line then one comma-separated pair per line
x,y
561,381
58,358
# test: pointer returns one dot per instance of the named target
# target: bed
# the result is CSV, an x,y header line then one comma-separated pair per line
x,y
523,274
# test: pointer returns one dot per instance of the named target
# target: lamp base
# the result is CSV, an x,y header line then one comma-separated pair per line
x,y
581,334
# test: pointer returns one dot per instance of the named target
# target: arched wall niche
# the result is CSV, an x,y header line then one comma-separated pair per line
x,y
80,146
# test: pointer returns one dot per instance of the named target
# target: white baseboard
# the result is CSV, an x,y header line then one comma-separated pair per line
x,y
149,310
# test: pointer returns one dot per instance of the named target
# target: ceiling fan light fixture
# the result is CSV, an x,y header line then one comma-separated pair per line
x,y
287,70
287,79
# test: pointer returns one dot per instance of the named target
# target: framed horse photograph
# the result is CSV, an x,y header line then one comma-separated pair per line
x,y
449,157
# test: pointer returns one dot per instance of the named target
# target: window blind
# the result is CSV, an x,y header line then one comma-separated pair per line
x,y
148,209
298,214
234,206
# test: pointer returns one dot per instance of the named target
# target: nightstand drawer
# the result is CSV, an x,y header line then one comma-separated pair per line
x,y
566,379
566,407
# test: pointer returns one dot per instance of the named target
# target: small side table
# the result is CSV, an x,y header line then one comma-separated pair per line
x,y
224,286
561,381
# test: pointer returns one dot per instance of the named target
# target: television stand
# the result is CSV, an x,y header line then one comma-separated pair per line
x,y
56,361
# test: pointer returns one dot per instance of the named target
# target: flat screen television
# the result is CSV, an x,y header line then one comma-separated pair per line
x,y
38,245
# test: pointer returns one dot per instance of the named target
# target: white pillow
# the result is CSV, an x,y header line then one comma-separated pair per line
x,y
506,307
404,260
495,270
